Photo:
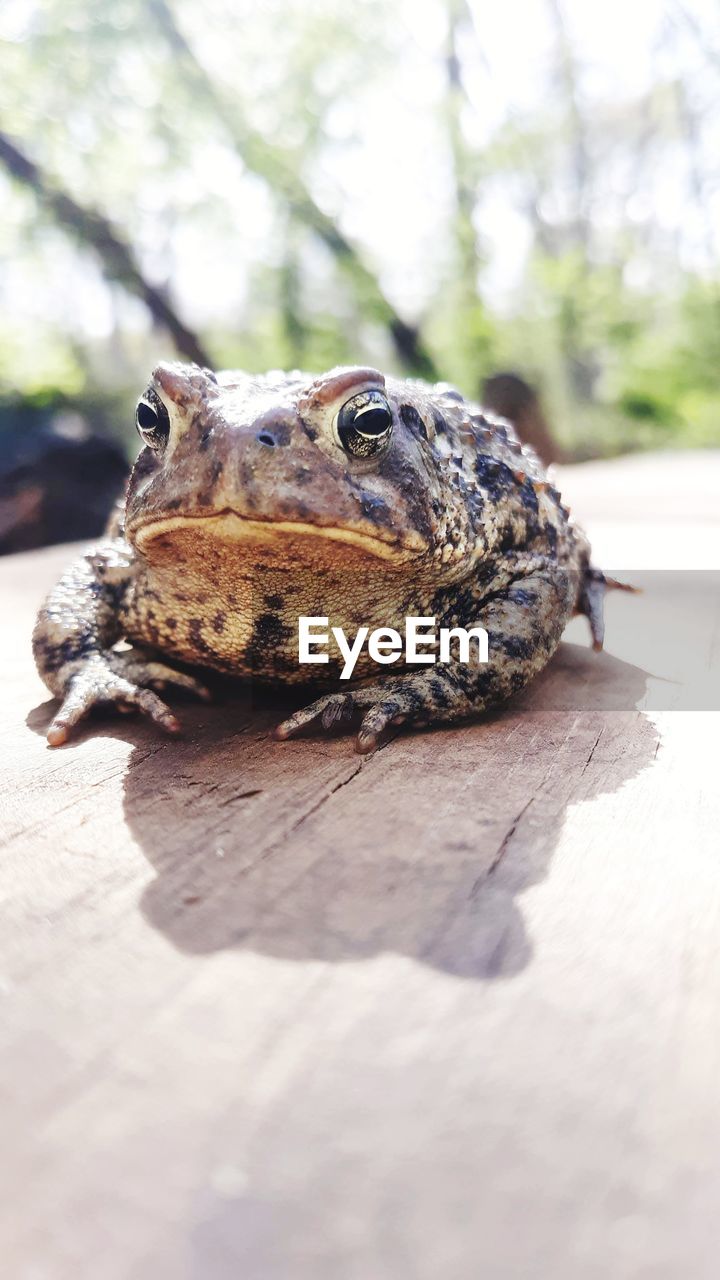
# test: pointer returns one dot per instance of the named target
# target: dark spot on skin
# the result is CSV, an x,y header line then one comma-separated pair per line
x,y
204,441
439,692
475,683
216,470
516,647
494,476
173,503
269,638
487,468
171,623
375,508
310,432
404,480
440,423
528,497
69,650
196,637
448,606
415,700
507,538
274,602
484,576
270,629
522,595
413,421
114,593
219,623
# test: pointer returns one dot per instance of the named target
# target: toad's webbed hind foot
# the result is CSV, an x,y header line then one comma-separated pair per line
x,y
125,680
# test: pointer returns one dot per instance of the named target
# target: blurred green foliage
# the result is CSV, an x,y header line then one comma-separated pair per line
x,y
321,183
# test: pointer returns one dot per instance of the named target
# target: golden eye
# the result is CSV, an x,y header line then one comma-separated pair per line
x,y
152,419
364,424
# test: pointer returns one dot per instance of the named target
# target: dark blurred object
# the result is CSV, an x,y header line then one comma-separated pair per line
x,y
510,396
58,482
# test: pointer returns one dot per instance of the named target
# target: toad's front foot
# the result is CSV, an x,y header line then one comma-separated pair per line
x,y
412,700
120,680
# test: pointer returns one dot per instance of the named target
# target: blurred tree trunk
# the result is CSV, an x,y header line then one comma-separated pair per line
x,y
96,232
473,326
271,163
580,365
510,396
290,300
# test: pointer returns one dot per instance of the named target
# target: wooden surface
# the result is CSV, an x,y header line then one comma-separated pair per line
x,y
279,1012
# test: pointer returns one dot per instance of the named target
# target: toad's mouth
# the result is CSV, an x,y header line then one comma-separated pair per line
x,y
229,526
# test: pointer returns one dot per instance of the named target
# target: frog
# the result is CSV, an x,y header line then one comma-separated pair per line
x,y
258,499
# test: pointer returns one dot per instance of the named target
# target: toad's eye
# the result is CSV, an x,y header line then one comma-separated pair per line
x,y
152,420
364,424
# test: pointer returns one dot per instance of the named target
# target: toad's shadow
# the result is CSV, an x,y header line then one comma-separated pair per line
x,y
265,846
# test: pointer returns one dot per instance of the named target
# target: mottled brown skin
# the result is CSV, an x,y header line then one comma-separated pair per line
x,y
250,513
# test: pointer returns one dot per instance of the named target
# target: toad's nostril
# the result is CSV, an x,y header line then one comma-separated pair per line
x,y
273,428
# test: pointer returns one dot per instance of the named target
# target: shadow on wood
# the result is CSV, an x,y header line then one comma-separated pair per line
x,y
305,850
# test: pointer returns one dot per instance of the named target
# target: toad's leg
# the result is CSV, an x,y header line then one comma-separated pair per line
x,y
524,623
73,642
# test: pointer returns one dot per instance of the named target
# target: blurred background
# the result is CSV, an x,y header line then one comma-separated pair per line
x,y
452,189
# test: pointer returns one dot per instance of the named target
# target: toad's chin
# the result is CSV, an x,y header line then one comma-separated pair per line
x,y
158,537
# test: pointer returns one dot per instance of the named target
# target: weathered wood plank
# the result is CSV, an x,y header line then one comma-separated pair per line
x,y
281,1012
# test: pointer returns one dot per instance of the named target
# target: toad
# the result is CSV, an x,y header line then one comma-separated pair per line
x,y
256,500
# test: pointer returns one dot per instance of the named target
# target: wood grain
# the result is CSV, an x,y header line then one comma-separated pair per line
x,y
273,1011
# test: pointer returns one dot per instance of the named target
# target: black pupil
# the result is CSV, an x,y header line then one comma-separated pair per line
x,y
147,418
373,421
